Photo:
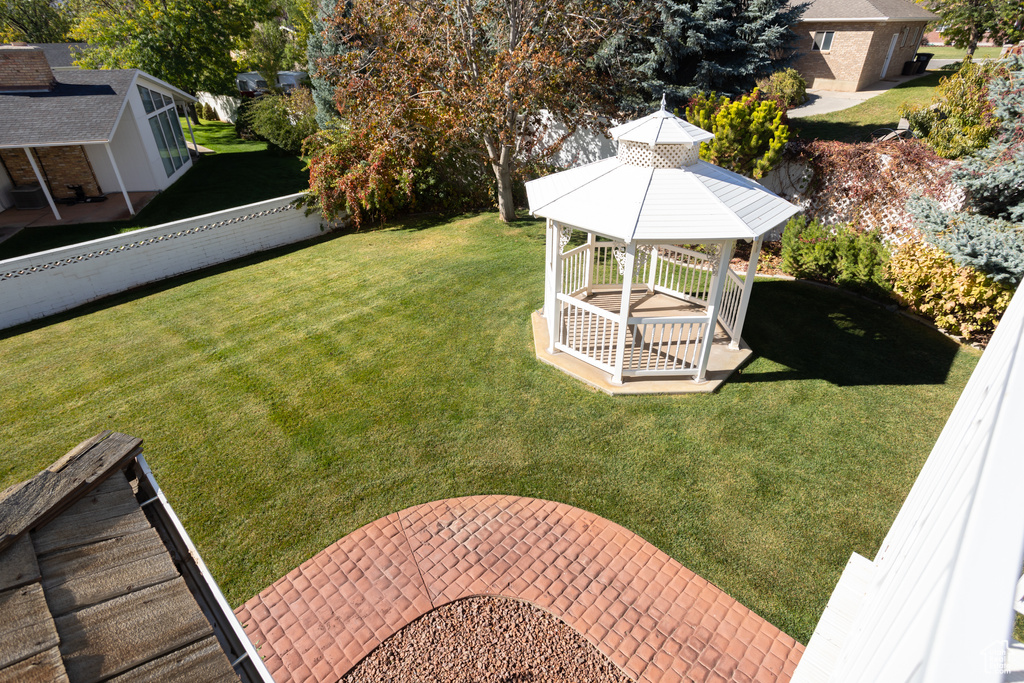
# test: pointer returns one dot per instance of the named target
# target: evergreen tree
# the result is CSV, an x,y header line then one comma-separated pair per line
x,y
324,42
988,234
714,45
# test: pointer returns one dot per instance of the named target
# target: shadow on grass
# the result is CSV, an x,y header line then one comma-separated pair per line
x,y
818,333
163,285
217,182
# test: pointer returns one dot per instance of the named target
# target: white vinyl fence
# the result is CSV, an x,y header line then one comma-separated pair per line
x,y
48,282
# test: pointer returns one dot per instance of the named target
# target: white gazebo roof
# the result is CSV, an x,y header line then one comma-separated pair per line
x,y
659,128
658,190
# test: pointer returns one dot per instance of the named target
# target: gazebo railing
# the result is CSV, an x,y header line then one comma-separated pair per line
x,y
587,332
575,275
606,268
682,273
664,345
732,294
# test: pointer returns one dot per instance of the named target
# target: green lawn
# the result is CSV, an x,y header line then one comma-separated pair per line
x,y
857,123
289,399
241,172
950,52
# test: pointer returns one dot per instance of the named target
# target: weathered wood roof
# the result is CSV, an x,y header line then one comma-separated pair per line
x,y
89,589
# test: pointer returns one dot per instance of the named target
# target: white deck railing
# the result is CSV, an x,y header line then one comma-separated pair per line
x,y
587,332
664,346
682,273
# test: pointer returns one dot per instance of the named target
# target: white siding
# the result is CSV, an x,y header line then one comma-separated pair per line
x,y
937,603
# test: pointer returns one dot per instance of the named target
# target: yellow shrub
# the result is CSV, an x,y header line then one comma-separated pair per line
x,y
960,300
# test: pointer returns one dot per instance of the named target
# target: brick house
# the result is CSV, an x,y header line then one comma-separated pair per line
x,y
849,44
79,132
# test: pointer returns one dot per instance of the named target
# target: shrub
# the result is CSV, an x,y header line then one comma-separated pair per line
x,y
787,88
855,259
959,120
959,299
209,113
376,182
284,120
749,133
243,128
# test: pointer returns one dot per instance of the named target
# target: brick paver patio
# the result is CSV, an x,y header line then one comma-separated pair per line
x,y
653,617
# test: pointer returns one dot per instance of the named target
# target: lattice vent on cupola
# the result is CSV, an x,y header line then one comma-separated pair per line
x,y
633,153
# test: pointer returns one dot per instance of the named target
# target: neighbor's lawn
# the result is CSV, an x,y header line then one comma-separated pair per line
x,y
857,123
950,52
241,172
287,400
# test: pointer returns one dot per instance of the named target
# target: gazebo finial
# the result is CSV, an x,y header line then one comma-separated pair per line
x,y
663,100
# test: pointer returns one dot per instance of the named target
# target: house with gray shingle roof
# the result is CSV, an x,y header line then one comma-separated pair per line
x,y
80,134
849,44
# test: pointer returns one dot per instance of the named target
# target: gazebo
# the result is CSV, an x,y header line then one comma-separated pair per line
x,y
650,292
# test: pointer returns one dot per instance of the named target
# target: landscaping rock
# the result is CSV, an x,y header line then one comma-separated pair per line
x,y
486,640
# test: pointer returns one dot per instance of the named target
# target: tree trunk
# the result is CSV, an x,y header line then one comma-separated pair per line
x,y
190,111
502,168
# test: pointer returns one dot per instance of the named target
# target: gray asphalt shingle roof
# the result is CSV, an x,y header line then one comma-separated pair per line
x,y
865,9
59,54
82,107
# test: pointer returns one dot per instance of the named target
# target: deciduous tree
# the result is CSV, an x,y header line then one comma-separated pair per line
x,y
967,21
35,21
483,76
185,42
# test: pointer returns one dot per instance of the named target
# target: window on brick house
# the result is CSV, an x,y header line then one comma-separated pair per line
x,y
906,34
823,41
166,129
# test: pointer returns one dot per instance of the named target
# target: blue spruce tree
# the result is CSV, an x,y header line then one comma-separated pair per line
x,y
988,234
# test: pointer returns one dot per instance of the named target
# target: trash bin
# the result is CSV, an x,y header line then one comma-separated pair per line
x,y
910,68
922,60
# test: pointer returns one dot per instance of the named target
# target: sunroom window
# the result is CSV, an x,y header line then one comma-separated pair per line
x,y
166,129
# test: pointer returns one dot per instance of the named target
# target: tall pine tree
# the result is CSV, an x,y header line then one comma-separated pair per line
x,y
323,43
713,45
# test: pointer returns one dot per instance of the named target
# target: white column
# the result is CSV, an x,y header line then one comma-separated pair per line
x,y
653,265
555,286
748,286
588,272
627,290
714,303
42,183
191,134
120,182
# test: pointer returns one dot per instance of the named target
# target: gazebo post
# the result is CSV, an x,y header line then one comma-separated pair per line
x,y
627,291
554,285
588,273
714,303
748,286
652,263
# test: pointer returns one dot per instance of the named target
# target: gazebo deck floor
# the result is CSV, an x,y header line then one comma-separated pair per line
x,y
721,364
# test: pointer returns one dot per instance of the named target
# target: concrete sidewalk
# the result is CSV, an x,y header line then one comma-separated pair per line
x,y
826,101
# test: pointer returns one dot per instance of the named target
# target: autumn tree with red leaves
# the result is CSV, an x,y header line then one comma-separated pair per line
x,y
432,78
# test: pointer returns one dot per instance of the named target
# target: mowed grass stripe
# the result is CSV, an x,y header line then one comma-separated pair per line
x,y
289,399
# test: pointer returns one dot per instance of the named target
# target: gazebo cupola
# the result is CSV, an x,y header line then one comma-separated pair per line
x,y
650,290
